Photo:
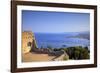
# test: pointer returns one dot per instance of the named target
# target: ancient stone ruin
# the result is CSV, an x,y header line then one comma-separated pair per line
x,y
28,41
31,52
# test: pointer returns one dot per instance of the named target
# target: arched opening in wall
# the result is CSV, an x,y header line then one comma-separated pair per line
x,y
29,44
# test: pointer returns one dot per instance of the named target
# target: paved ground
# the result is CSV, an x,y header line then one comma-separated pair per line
x,y
31,57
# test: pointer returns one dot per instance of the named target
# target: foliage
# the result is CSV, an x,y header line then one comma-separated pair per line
x,y
76,53
65,58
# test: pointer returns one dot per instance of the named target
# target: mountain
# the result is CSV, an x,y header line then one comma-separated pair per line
x,y
85,35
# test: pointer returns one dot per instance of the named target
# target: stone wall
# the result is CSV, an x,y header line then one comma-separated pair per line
x,y
28,41
61,57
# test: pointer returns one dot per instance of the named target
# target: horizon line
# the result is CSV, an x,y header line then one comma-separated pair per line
x,y
54,32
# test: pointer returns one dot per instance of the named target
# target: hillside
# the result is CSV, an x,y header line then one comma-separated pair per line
x,y
84,35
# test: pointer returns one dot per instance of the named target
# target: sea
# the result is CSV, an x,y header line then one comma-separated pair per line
x,y
60,40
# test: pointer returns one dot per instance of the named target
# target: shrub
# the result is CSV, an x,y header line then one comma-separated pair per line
x,y
65,58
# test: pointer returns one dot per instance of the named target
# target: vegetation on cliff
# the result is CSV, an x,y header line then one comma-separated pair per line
x,y
75,53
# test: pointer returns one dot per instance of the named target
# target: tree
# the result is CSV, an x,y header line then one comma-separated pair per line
x,y
84,54
65,58
86,48
76,54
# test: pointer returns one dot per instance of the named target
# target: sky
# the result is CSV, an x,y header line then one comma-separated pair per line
x,y
54,22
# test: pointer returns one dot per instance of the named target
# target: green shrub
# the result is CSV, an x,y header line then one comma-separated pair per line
x,y
65,58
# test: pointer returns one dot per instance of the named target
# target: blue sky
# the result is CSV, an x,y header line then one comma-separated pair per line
x,y
54,22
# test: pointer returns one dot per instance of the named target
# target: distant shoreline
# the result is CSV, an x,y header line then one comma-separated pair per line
x,y
58,40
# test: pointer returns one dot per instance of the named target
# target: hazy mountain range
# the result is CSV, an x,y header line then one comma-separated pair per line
x,y
84,35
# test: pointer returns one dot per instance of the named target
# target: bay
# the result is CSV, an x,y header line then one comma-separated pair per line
x,y
60,40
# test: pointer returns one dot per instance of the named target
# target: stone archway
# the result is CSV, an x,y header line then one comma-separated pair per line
x,y
29,44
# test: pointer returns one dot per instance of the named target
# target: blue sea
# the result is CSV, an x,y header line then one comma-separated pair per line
x,y
59,40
